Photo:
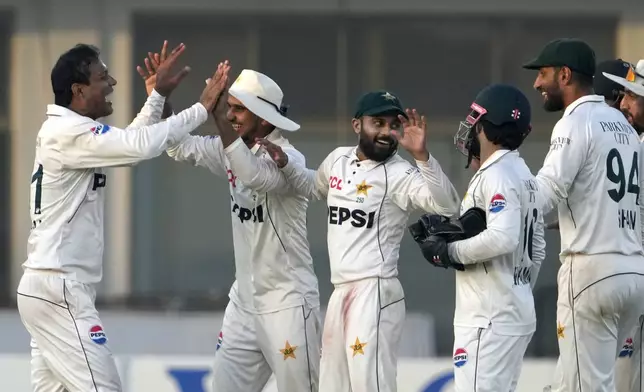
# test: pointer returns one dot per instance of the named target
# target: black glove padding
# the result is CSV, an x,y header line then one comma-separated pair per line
x,y
434,249
473,222
430,228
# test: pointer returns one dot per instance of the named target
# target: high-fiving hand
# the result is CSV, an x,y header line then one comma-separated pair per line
x,y
152,62
215,86
414,135
167,79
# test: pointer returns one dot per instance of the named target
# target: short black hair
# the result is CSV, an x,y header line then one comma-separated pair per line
x,y
507,135
72,67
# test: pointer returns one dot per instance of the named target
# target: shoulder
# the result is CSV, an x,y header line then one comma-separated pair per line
x,y
500,177
73,126
399,167
339,154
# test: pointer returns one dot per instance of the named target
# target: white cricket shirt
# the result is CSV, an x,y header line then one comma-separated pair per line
x,y
68,185
368,205
502,262
592,176
273,265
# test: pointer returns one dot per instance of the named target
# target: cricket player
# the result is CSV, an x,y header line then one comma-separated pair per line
x,y
628,370
611,91
591,175
56,293
272,322
497,268
370,191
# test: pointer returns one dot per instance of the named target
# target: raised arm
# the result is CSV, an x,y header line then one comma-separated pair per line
x,y
313,184
569,146
91,144
425,187
202,151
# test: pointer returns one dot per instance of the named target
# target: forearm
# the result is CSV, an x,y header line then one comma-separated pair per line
x,y
483,247
254,172
441,189
167,110
302,179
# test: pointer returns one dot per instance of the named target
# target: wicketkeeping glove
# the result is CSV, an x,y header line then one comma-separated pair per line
x,y
434,232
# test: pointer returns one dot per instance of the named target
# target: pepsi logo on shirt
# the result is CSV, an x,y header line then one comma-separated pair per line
x,y
497,203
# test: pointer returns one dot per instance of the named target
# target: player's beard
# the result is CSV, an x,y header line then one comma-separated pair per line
x,y
375,151
554,99
638,126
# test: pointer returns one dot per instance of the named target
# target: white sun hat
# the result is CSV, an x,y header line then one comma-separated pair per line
x,y
634,80
263,97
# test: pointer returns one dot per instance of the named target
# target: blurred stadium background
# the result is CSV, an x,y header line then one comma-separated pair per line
x,y
169,255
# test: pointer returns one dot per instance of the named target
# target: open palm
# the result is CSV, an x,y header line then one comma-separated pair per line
x,y
414,134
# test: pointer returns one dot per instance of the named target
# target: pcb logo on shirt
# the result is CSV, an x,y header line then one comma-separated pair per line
x,y
497,203
100,129
97,335
460,357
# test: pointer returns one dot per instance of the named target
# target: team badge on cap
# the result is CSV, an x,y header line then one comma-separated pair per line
x,y
97,335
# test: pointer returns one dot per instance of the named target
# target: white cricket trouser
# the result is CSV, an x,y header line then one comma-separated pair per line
x,y
69,350
361,338
487,362
253,346
600,308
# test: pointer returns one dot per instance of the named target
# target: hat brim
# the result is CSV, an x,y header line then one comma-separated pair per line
x,y
536,64
634,87
264,110
384,109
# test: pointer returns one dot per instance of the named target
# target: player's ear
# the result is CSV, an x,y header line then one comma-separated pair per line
x,y
565,75
77,90
357,125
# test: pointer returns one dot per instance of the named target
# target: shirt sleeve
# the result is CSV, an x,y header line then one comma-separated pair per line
x,y
503,217
569,145
313,184
425,187
257,173
150,113
91,144
201,151
538,250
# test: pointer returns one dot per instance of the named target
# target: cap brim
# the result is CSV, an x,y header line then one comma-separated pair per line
x,y
634,87
535,64
264,110
380,110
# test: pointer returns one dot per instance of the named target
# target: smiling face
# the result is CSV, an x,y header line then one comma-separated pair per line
x,y
92,99
548,83
375,140
247,125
